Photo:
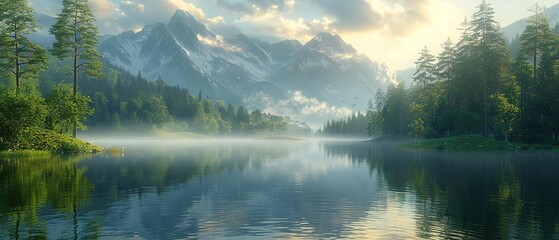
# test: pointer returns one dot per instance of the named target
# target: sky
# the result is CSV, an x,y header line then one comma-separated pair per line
x,y
388,31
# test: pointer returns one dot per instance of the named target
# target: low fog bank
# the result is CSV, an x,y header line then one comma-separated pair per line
x,y
142,138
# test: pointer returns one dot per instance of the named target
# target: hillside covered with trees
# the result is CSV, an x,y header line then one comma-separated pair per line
x,y
55,93
123,101
475,87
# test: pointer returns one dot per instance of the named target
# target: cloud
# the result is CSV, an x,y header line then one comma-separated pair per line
x,y
116,16
102,8
218,42
351,14
310,110
131,14
253,7
395,17
273,23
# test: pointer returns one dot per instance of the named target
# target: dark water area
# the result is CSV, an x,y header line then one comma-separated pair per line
x,y
240,189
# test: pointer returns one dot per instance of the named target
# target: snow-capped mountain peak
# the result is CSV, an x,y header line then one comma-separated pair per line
x,y
245,70
330,44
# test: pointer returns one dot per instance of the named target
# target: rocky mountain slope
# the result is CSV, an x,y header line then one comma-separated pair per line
x,y
244,70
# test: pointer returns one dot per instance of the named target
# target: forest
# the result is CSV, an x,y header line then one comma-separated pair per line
x,y
480,85
123,101
57,92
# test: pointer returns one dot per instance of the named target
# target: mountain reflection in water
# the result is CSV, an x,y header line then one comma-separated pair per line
x,y
284,189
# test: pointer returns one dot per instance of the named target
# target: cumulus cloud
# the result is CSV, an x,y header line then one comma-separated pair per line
x,y
218,42
273,22
300,107
351,14
131,14
116,16
102,8
396,17
254,7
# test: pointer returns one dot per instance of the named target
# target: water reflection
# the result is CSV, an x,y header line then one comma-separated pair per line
x,y
469,195
300,189
27,186
227,190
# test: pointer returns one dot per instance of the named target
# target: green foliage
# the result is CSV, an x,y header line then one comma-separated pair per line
x,y
466,143
44,140
65,109
19,57
475,89
77,37
537,36
425,66
355,125
19,112
124,101
374,124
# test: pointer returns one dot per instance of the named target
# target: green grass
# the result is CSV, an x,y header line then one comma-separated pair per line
x,y
25,153
37,141
473,143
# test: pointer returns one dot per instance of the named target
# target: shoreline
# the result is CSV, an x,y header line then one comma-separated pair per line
x,y
472,143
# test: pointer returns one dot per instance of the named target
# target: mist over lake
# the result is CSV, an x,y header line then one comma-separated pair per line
x,y
284,189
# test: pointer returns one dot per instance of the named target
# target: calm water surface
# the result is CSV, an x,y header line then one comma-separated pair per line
x,y
273,189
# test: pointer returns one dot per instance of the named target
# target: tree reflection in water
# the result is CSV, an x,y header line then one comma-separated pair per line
x,y
469,195
32,184
302,189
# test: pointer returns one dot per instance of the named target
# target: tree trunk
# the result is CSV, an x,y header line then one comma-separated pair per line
x,y
75,90
17,62
485,117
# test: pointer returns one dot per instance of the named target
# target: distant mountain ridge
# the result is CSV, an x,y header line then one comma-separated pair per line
x,y
516,28
244,70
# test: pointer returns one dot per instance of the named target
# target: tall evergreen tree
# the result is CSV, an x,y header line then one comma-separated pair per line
x,y
444,64
19,57
77,39
539,45
425,66
536,37
490,55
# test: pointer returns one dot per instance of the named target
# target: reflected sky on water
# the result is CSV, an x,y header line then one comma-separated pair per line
x,y
243,189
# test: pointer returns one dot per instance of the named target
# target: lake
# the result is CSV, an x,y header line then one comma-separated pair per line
x,y
243,189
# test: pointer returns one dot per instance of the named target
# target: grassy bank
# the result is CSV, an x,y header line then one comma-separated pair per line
x,y
474,143
40,141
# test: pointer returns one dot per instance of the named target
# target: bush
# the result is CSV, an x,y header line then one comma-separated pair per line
x,y
65,109
45,140
19,111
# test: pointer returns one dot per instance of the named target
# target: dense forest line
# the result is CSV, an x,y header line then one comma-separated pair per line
x,y
57,92
352,126
123,101
476,86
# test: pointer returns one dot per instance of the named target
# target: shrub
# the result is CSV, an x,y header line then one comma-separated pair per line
x,y
19,111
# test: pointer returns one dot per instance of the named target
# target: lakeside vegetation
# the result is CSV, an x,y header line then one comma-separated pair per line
x,y
40,105
474,143
476,87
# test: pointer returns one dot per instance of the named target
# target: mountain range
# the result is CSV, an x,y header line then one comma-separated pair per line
x,y
245,70
516,28
324,76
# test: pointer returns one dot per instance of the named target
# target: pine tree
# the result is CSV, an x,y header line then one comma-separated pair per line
x,y
539,44
19,57
491,52
444,64
77,39
536,37
425,66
